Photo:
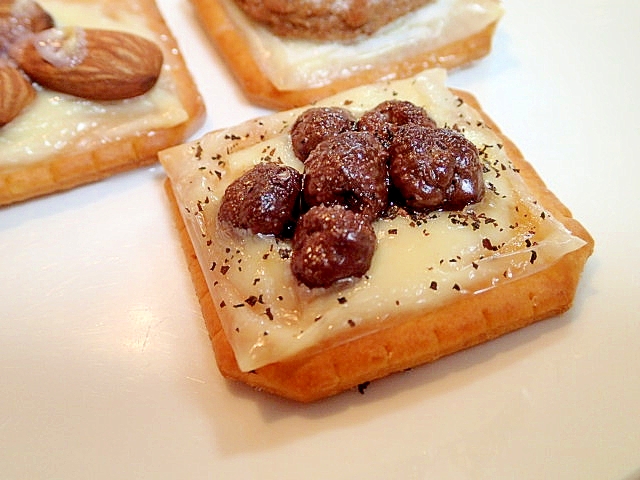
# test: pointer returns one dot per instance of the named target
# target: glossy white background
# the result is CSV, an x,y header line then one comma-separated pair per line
x,y
105,366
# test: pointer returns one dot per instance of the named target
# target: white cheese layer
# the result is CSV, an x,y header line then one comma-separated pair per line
x,y
292,64
268,316
56,121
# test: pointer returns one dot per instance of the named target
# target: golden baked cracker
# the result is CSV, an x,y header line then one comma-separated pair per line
x,y
45,163
236,51
510,300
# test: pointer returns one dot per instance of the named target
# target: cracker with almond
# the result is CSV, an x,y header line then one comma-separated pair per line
x,y
89,88
377,230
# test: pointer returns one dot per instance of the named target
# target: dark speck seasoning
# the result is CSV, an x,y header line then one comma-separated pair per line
x,y
252,300
198,151
362,387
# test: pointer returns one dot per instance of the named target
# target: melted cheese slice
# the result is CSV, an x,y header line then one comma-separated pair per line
x,y
418,264
292,64
55,122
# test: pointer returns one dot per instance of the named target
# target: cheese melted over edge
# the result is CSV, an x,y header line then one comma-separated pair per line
x,y
293,64
55,122
418,265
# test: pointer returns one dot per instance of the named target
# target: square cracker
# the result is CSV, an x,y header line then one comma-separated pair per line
x,y
406,339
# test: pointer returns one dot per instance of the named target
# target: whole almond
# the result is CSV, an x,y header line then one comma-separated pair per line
x,y
91,63
16,92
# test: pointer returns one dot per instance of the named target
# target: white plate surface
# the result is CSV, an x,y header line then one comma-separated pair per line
x,y
106,371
